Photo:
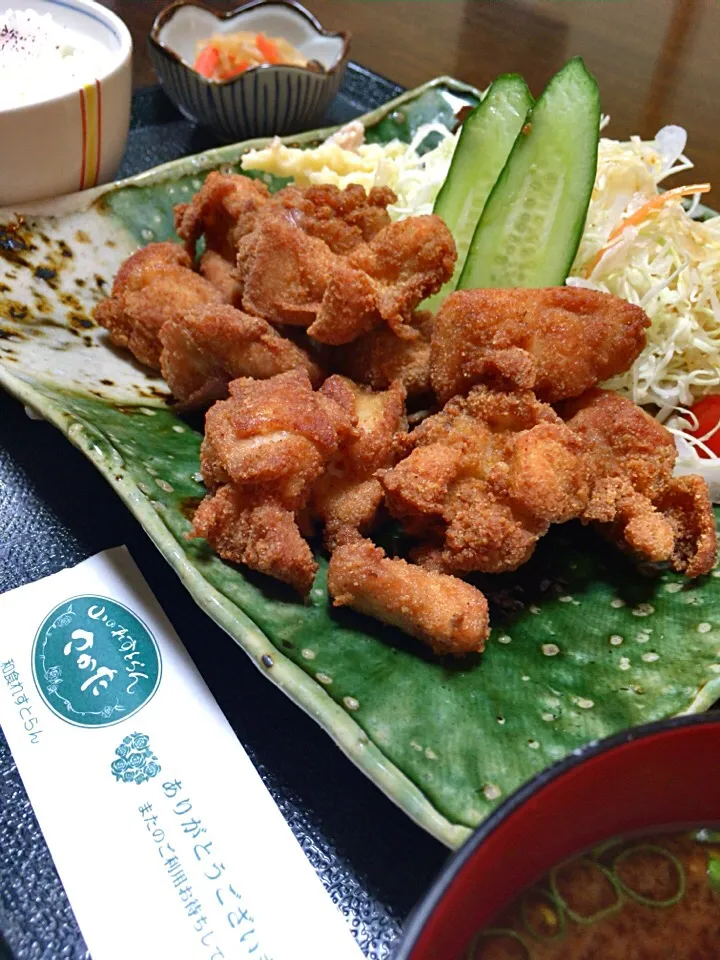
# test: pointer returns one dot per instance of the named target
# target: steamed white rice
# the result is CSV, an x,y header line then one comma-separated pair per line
x,y
40,59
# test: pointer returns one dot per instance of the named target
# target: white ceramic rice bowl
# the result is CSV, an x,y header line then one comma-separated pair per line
x,y
74,140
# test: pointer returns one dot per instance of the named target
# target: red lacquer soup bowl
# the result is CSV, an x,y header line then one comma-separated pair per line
x,y
661,776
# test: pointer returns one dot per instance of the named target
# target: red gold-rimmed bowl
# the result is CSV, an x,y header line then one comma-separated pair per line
x,y
663,775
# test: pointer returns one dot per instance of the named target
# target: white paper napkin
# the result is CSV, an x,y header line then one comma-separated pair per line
x,y
164,836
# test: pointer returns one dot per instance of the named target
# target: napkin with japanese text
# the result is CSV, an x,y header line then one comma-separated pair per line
x,y
143,792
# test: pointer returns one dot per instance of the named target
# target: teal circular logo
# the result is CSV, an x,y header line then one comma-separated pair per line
x,y
95,662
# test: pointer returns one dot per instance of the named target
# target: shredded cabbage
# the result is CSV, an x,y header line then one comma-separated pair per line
x,y
345,158
689,461
668,263
694,454
417,178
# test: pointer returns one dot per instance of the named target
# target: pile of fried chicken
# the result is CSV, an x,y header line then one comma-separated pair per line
x,y
298,327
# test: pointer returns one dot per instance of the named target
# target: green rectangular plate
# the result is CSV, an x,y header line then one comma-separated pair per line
x,y
584,641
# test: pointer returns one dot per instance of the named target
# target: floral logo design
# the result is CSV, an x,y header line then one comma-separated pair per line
x,y
134,761
54,677
95,662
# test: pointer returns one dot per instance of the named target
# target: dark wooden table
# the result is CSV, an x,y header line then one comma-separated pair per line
x,y
657,61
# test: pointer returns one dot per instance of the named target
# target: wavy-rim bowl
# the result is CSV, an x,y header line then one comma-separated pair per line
x,y
270,99
225,21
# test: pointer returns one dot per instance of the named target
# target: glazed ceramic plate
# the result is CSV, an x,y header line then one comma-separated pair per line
x,y
584,643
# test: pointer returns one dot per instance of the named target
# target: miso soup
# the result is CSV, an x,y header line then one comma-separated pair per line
x,y
650,898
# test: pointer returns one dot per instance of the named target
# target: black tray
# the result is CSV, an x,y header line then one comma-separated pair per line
x,y
56,510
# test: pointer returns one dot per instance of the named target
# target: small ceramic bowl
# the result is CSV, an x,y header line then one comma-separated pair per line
x,y
77,139
265,100
662,775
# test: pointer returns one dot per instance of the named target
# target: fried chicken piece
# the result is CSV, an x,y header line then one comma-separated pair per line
x,y
245,527
634,497
623,441
223,210
263,449
347,496
284,272
557,341
292,277
685,503
380,357
154,285
343,219
208,347
385,280
223,275
487,477
447,614
229,207
277,432
285,263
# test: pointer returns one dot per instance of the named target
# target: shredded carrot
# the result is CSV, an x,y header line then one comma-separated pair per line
x,y
643,213
267,48
235,69
225,56
207,60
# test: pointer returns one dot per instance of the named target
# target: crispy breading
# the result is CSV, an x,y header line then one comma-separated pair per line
x,y
284,264
343,219
277,431
263,535
447,614
284,272
558,341
223,210
206,348
487,477
347,496
380,357
385,280
154,285
223,275
623,440
263,449
685,504
292,277
634,497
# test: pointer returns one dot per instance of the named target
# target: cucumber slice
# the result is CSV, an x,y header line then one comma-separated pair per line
x,y
533,220
485,142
